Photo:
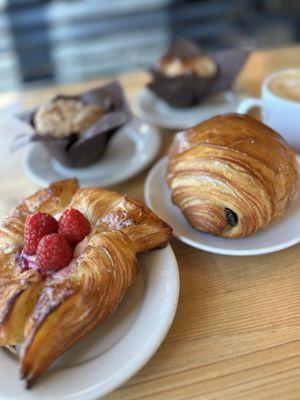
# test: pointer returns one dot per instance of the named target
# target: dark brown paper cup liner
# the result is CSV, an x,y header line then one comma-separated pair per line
x,y
78,151
189,89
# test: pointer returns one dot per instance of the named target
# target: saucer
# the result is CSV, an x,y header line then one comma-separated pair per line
x,y
155,111
130,151
278,235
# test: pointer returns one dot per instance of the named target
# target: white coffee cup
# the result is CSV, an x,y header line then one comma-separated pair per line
x,y
279,113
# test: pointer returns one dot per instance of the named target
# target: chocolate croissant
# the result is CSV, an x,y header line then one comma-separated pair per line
x,y
48,314
231,175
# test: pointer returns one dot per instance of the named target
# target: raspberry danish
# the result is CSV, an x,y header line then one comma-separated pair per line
x,y
77,272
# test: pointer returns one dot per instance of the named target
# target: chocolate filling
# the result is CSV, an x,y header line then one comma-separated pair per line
x,y
231,217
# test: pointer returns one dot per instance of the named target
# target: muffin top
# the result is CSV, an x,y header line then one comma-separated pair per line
x,y
62,117
202,66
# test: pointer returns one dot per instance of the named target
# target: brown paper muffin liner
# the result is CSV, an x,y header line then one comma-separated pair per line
x,y
81,150
189,89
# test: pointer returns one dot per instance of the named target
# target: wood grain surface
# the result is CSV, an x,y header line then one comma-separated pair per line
x,y
236,334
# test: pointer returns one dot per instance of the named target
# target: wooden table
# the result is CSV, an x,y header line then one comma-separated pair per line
x,y
236,334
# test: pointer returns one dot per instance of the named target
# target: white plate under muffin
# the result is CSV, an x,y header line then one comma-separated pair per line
x,y
117,349
278,235
130,151
152,109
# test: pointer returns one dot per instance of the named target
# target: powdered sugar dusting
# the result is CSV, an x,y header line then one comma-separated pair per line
x,y
117,220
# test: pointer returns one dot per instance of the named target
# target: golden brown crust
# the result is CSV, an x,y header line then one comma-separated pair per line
x,y
104,207
78,301
231,162
80,296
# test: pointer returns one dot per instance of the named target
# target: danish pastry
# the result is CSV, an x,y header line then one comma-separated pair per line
x,y
47,313
231,175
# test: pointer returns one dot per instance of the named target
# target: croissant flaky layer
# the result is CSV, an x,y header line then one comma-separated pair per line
x,y
231,175
48,315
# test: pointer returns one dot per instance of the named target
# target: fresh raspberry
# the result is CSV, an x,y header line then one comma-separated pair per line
x,y
53,253
73,225
37,225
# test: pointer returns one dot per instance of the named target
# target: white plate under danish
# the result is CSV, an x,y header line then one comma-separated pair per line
x,y
279,235
130,151
155,111
114,351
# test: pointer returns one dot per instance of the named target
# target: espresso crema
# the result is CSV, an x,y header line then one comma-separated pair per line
x,y
286,85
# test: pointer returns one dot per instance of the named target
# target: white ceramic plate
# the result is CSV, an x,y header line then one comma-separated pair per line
x,y
278,235
130,151
155,111
117,349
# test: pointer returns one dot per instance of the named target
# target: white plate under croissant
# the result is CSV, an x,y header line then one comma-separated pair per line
x,y
229,186
279,235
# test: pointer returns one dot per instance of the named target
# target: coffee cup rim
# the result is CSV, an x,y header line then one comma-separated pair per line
x,y
266,89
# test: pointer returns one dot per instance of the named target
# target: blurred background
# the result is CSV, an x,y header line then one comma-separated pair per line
x,y
45,42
